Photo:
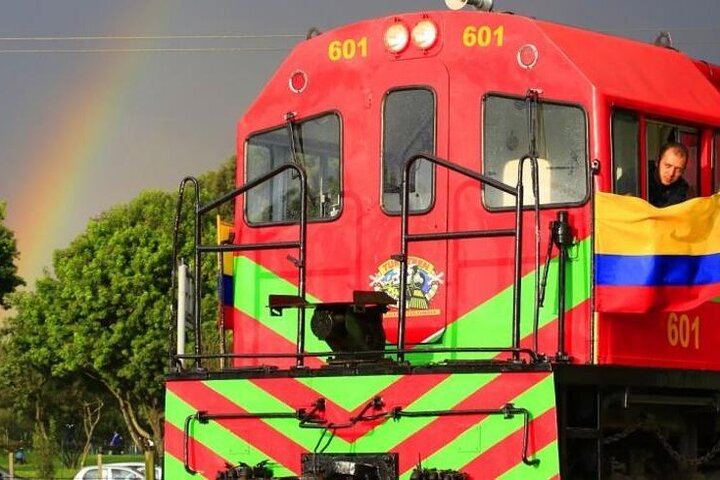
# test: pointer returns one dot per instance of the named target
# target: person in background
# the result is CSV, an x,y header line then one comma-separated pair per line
x,y
667,187
20,455
116,443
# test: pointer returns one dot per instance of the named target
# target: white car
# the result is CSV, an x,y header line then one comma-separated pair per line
x,y
116,471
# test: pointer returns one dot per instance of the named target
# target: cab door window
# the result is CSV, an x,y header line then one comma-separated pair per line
x,y
560,139
408,129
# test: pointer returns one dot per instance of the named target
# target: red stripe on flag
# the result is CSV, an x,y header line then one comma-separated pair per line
x,y
633,299
228,312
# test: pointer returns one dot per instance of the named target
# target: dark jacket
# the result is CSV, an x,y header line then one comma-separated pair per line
x,y
665,195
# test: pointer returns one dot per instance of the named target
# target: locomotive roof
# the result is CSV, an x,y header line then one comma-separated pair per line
x,y
630,74
639,74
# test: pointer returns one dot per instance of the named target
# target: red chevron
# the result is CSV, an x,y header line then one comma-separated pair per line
x,y
297,395
264,340
507,453
197,452
253,430
437,433
402,392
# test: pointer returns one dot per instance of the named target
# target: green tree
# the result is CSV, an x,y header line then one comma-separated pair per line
x,y
42,400
9,279
113,286
217,183
103,318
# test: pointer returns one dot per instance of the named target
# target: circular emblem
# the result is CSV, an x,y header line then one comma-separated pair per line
x,y
423,282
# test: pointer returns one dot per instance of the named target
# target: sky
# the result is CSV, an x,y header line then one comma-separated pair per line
x,y
102,99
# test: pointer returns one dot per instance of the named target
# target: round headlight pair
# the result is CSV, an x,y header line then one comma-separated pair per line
x,y
423,35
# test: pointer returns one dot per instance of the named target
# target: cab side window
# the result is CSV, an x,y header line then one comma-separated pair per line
x,y
626,156
632,167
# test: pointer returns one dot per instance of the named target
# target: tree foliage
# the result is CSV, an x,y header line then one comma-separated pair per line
x,y
9,279
42,400
113,285
103,318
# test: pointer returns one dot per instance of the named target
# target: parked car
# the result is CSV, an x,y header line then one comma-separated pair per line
x,y
116,471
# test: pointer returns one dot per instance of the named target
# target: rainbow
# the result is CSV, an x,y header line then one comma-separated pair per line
x,y
58,168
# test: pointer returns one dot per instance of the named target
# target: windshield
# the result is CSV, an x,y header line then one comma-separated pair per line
x,y
559,135
317,149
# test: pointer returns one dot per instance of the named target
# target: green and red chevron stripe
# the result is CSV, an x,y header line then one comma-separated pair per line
x,y
486,324
473,442
482,445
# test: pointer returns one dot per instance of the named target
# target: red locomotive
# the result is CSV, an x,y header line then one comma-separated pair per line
x,y
444,266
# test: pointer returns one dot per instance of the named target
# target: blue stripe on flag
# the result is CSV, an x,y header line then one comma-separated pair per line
x,y
657,270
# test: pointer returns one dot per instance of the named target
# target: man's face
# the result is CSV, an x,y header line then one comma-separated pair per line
x,y
671,167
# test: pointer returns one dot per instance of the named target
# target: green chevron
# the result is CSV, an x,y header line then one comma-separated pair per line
x,y
384,437
215,437
388,435
489,323
252,286
492,429
352,391
548,467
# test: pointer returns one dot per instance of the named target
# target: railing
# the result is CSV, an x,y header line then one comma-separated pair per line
x,y
406,238
517,232
199,249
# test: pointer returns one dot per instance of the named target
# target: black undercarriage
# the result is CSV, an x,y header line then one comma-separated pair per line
x,y
638,423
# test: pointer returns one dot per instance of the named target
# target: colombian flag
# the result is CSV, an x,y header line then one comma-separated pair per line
x,y
225,274
656,259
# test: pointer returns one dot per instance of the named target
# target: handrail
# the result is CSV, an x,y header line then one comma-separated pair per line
x,y
199,249
378,411
532,355
406,238
174,259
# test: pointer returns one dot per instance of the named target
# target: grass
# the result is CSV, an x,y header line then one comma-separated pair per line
x,y
29,469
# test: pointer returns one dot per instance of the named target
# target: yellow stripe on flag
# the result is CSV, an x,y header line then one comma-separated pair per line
x,y
631,226
225,232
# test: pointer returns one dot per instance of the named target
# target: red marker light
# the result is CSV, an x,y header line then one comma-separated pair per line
x,y
527,56
298,81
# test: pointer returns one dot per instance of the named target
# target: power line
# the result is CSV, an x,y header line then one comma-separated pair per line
x,y
59,40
